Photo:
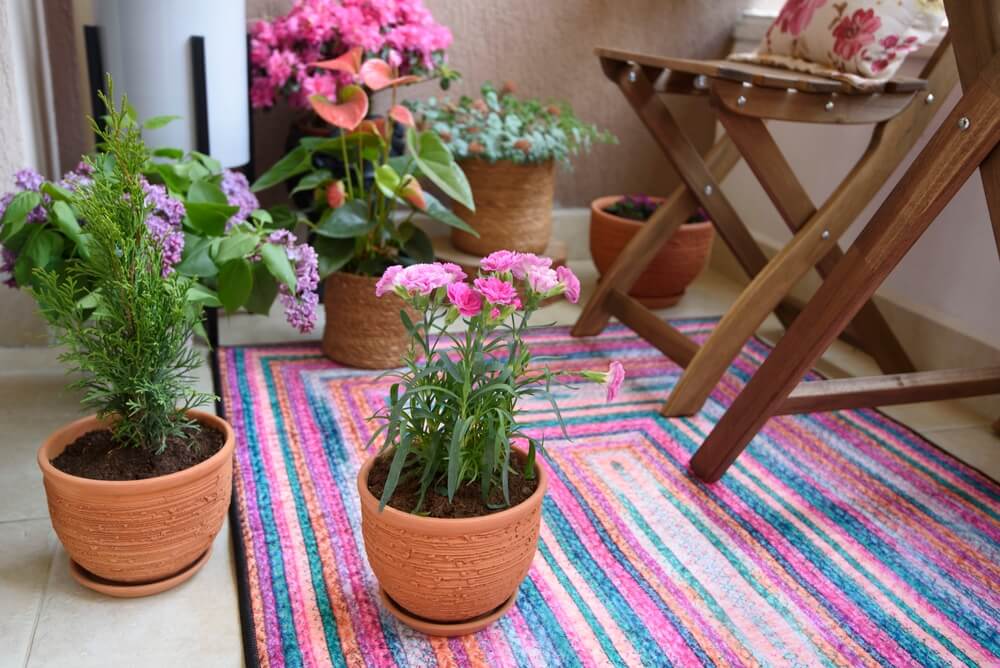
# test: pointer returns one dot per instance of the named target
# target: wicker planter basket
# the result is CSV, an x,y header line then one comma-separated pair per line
x,y
513,207
362,330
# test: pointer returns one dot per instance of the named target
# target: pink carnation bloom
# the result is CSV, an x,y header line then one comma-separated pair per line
x,y
497,291
570,282
616,376
388,280
457,273
542,280
423,279
527,262
499,261
465,299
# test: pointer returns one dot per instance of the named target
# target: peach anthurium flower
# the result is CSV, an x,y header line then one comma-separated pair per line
x,y
413,193
349,62
402,115
375,126
377,74
335,195
348,113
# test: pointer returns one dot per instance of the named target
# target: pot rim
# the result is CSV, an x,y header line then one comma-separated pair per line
x,y
506,162
148,484
597,207
453,524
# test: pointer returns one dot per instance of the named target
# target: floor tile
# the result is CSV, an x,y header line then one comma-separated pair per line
x,y
25,558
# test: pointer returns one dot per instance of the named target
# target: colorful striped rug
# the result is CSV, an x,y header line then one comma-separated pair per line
x,y
836,539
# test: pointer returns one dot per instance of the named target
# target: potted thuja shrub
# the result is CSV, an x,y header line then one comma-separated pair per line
x,y
615,219
136,492
451,504
363,223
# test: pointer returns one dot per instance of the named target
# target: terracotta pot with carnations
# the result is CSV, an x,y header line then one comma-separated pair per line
x,y
451,506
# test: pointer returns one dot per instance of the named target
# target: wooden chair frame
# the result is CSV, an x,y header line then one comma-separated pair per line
x,y
968,139
743,96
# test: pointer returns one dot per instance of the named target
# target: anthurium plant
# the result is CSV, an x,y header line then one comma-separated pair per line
x,y
452,418
364,222
208,223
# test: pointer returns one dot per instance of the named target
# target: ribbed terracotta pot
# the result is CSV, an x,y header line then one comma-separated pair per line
x,y
362,330
678,263
513,207
449,571
138,532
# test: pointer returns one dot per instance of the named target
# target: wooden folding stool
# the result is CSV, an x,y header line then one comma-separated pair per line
x,y
968,139
744,96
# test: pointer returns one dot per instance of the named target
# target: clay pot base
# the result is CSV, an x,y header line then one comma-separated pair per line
x,y
120,590
445,629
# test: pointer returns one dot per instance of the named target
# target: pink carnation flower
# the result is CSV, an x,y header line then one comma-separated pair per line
x,y
570,282
423,279
457,273
497,291
388,280
616,376
499,261
466,300
527,262
542,280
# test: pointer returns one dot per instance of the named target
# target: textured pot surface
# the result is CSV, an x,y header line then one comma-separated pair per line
x,y
137,531
677,264
450,570
362,330
513,207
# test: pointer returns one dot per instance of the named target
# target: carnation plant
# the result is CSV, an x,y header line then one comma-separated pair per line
x,y
363,221
207,222
500,126
401,32
452,418
131,341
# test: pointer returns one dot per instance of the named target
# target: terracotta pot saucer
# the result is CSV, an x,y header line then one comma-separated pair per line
x,y
446,629
123,590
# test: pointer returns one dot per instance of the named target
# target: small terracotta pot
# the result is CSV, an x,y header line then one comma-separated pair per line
x,y
363,330
137,532
449,570
677,264
513,207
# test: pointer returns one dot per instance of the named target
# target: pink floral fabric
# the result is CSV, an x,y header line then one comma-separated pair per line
x,y
851,40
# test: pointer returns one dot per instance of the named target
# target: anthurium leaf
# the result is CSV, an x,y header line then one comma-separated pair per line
x,y
234,246
438,165
205,191
276,260
282,216
419,246
157,122
235,284
349,221
439,212
265,289
387,180
312,180
333,254
297,161
17,212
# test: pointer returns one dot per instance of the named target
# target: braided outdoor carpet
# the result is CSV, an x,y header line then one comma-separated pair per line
x,y
836,539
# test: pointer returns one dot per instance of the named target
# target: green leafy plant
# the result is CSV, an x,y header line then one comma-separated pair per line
x,y
499,126
129,331
453,417
365,220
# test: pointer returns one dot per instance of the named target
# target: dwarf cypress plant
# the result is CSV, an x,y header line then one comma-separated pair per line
x,y
129,336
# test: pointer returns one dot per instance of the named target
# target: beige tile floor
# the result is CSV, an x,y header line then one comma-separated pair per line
x,y
47,620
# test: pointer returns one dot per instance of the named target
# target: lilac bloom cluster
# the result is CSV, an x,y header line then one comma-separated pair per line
x,y
164,224
237,189
300,306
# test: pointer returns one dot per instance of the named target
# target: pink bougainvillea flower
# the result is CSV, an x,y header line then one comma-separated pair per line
x,y
468,302
349,62
335,195
348,113
527,262
855,32
413,193
377,74
499,261
616,376
402,115
570,283
496,291
388,280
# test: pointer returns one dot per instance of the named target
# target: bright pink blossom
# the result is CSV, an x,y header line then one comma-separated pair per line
x,y
497,291
457,272
616,376
465,299
499,261
570,283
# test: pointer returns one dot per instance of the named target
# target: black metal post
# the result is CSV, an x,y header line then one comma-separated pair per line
x,y
95,73
199,94
250,169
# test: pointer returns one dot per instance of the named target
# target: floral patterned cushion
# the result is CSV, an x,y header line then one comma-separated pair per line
x,y
852,40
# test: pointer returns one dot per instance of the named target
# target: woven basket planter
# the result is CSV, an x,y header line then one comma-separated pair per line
x,y
513,207
363,330
677,264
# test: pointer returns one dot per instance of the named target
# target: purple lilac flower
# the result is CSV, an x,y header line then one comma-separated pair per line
x,y
77,177
29,179
237,189
7,259
300,306
164,223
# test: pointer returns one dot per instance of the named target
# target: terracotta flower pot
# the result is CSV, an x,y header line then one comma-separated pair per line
x,y
513,207
143,536
363,330
677,264
450,576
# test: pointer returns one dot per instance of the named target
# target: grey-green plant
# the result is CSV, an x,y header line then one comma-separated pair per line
x,y
129,333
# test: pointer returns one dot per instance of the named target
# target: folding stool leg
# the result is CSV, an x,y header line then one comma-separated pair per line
x,y
953,153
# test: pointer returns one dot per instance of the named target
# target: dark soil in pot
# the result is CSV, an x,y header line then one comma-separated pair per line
x,y
468,501
96,455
